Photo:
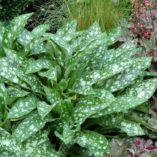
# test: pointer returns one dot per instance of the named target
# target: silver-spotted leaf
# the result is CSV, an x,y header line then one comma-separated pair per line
x,y
52,95
9,147
22,107
39,145
16,92
87,107
15,29
44,108
37,65
114,35
119,121
31,80
128,76
25,38
29,126
40,30
143,90
121,104
96,144
131,128
67,31
65,46
50,74
102,94
8,70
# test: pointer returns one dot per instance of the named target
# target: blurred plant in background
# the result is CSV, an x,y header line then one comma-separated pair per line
x,y
144,26
12,8
45,11
108,13
48,11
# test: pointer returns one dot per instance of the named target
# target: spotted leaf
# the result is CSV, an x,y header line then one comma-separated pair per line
x,y
16,92
131,128
37,65
128,76
29,126
25,38
50,74
15,29
96,144
52,96
67,31
121,104
143,90
40,30
9,147
39,145
44,108
87,107
22,107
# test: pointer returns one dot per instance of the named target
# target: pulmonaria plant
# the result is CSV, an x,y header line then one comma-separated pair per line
x,y
60,93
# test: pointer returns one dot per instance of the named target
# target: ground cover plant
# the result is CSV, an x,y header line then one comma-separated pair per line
x,y
64,94
144,26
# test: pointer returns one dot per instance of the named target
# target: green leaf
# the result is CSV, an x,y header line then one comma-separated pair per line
x,y
39,145
88,78
3,93
8,70
43,108
67,30
128,76
16,92
121,104
93,31
52,95
37,46
15,29
22,107
40,30
144,89
119,121
29,126
96,144
37,65
114,35
59,42
9,147
87,107
2,30
102,94
131,128
4,133
67,135
50,74
32,81
25,38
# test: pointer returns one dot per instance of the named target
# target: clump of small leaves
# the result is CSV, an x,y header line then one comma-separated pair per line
x,y
63,94
142,148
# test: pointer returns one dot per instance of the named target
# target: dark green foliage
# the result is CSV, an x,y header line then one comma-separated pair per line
x,y
12,8
51,12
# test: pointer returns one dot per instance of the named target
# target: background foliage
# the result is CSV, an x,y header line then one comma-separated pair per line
x,y
57,12
12,8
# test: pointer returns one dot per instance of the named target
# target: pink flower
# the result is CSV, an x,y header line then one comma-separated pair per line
x,y
155,10
147,2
